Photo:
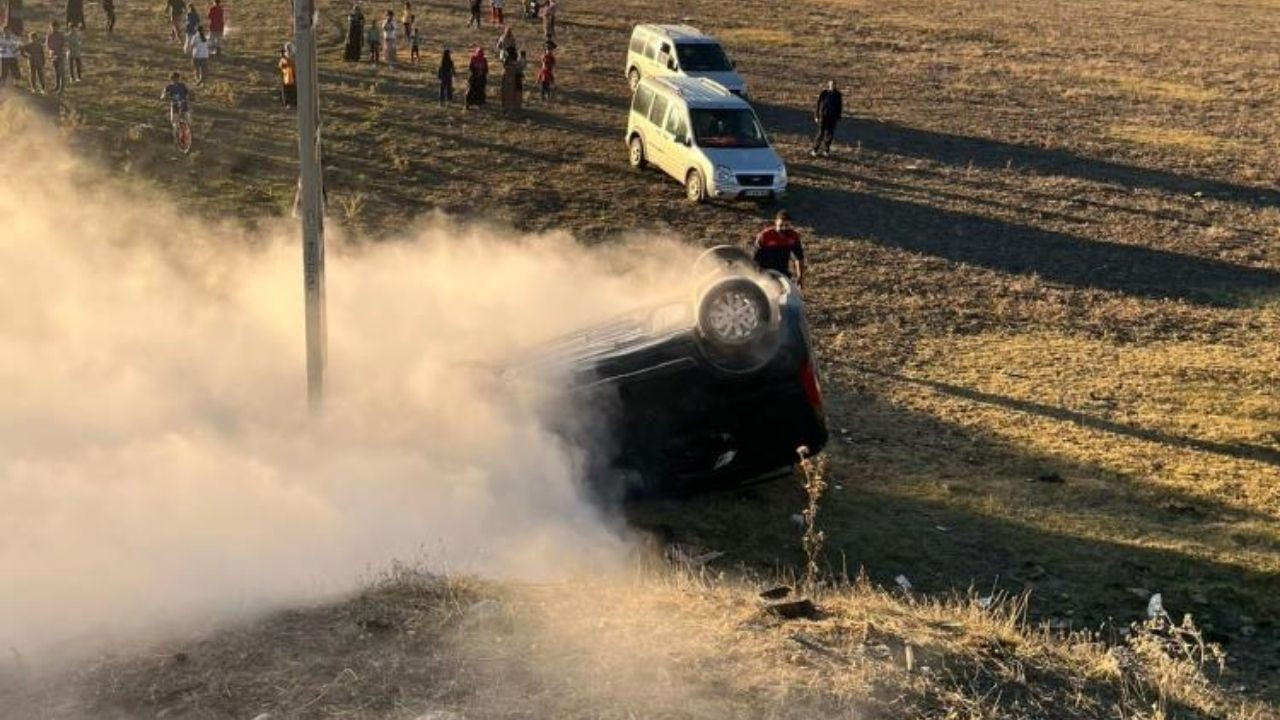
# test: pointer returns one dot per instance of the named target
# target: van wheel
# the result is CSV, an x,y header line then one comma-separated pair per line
x,y
635,153
633,78
694,188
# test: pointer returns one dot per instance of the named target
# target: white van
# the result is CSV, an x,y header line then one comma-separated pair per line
x,y
662,50
706,137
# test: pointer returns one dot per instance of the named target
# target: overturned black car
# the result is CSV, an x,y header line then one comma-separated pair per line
x,y
720,387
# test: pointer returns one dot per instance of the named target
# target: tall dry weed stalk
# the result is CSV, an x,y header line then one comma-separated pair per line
x,y
814,470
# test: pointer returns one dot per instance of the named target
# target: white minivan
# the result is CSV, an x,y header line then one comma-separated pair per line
x,y
698,132
662,50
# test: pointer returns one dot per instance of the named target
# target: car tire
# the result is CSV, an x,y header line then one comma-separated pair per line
x,y
633,79
635,153
695,188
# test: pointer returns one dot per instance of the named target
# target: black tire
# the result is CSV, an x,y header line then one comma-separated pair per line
x,y
695,188
635,153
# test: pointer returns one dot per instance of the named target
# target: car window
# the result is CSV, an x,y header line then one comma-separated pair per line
x,y
640,103
676,125
727,128
650,50
659,110
702,57
637,44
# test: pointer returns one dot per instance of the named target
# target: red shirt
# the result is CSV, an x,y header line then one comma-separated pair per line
x,y
775,247
215,19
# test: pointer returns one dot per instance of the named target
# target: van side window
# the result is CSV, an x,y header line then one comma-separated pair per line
x,y
637,44
650,50
659,110
640,103
676,125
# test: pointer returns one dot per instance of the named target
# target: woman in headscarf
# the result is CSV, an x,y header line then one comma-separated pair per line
x,y
477,78
355,35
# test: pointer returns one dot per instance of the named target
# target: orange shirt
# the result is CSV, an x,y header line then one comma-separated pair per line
x,y
288,73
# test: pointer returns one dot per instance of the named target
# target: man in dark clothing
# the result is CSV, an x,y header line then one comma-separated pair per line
x,y
775,246
57,45
109,9
827,114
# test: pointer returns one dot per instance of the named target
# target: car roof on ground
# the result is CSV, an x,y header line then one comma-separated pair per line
x,y
698,92
685,33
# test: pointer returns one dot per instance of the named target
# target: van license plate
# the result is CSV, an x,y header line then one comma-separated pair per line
x,y
755,193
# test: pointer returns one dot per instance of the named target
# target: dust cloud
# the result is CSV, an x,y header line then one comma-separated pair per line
x,y
157,463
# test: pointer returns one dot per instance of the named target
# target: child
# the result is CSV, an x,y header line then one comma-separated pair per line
x,y
34,50
198,46
217,25
75,48
193,21
407,19
415,41
57,46
547,75
390,33
373,36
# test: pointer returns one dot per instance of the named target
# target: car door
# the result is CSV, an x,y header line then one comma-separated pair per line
x,y
675,134
657,144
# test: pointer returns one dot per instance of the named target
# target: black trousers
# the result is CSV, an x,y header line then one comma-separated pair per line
x,y
59,74
826,133
77,68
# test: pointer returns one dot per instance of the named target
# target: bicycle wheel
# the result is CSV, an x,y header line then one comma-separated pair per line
x,y
182,136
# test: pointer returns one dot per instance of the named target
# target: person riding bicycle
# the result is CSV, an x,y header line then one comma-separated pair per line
x,y
179,97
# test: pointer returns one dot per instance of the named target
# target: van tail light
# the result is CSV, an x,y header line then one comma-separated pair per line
x,y
809,380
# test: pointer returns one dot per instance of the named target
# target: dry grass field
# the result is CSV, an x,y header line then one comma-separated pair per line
x,y
1045,289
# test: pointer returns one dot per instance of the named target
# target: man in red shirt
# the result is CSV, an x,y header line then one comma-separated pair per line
x,y
217,23
775,246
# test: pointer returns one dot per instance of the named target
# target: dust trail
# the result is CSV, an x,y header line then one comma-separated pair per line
x,y
156,461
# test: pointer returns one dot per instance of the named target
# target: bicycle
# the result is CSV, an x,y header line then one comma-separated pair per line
x,y
180,118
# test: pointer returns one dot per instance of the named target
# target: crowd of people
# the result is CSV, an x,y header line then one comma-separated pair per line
x,y
378,41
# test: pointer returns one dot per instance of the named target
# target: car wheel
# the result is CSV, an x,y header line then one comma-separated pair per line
x,y
635,153
694,188
633,78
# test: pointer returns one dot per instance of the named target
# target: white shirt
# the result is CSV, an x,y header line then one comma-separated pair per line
x,y
9,47
199,48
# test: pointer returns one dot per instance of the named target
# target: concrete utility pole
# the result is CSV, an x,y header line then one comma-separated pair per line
x,y
311,196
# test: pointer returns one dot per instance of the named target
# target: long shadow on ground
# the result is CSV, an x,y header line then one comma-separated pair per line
x,y
967,151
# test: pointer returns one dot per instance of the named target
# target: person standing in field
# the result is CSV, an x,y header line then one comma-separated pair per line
x,y
75,14
389,31
288,79
109,11
549,19
547,75
415,47
75,49
373,36
198,46
506,44
477,79
34,52
177,13
192,21
775,247
826,114
407,19
445,73
217,25
57,47
10,51
475,14
355,35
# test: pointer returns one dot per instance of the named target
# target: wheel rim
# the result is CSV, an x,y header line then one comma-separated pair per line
x,y
637,152
695,187
734,318
633,78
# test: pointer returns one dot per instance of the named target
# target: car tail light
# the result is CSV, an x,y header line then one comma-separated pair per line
x,y
812,391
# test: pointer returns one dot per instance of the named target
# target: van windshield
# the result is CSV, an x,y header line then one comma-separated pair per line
x,y
727,128
702,57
